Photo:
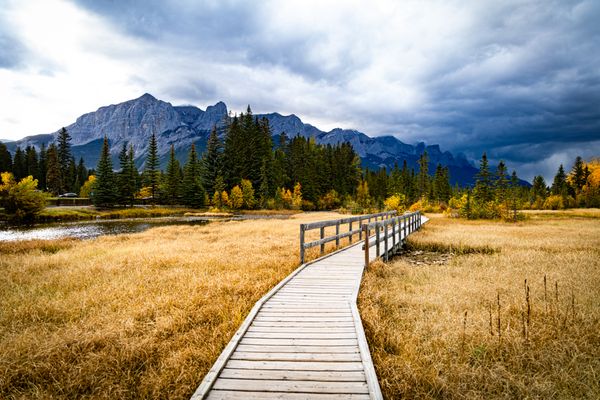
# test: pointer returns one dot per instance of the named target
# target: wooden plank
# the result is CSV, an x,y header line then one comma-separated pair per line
x,y
325,357
303,319
249,348
246,395
323,376
304,329
299,342
299,335
296,366
291,386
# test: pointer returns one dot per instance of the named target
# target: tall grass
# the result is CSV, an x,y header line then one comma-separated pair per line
x,y
134,316
522,321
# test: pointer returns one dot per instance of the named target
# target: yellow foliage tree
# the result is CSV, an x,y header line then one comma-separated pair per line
x,y
236,198
21,200
297,196
86,189
395,202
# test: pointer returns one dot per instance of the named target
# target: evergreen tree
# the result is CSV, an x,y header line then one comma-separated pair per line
x,y
212,162
19,165
539,191
441,184
126,177
6,164
31,162
64,158
483,186
578,176
423,178
151,171
82,172
73,183
501,182
42,167
105,192
53,179
172,179
514,195
559,185
193,191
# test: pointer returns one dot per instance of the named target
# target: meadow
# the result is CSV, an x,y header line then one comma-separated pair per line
x,y
472,309
134,316
483,309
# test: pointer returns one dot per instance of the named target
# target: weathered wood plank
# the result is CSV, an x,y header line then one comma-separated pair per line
x,y
296,366
246,395
299,342
300,335
325,357
291,386
323,376
248,348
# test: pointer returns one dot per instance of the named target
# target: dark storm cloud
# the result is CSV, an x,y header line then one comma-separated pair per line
x,y
12,50
520,81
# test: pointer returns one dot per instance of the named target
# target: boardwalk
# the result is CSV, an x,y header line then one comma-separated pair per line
x,y
303,340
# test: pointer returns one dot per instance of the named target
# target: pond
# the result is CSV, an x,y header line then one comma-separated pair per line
x,y
92,229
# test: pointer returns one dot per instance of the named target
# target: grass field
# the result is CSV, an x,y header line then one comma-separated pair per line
x,y
480,309
133,316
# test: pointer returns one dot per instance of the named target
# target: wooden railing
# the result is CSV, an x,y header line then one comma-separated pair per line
x,y
321,225
397,229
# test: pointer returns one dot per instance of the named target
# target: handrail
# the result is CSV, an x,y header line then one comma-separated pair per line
x,y
321,225
412,222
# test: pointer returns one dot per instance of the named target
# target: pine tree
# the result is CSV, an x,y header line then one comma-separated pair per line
x,y
125,180
212,162
74,184
31,162
539,191
53,178
559,185
82,172
514,195
193,191
64,158
578,176
172,179
483,187
151,171
423,175
501,183
42,167
104,192
19,165
441,184
5,159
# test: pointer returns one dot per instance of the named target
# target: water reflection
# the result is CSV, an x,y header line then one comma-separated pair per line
x,y
91,229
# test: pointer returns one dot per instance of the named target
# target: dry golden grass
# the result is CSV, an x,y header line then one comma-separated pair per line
x,y
134,316
433,329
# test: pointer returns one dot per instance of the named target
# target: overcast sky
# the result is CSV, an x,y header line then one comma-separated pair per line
x,y
518,79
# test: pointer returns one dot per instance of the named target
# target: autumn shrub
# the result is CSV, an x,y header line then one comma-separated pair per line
x,y
395,202
21,200
329,201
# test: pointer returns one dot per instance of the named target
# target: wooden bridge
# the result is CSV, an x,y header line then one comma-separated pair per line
x,y
304,339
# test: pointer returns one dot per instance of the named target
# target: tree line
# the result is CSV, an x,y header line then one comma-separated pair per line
x,y
245,164
54,167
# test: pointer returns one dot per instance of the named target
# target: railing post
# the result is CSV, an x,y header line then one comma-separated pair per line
x,y
393,235
404,226
360,232
322,237
385,245
337,234
350,230
302,229
377,229
366,229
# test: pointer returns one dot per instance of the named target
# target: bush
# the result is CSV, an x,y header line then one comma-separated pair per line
x,y
395,202
22,201
236,198
307,205
557,202
330,201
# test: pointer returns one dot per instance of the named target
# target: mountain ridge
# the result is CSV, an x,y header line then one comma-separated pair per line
x,y
133,121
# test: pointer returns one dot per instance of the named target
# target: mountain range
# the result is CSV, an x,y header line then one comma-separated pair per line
x,y
134,121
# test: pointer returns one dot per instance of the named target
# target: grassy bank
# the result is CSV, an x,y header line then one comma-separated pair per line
x,y
57,214
480,309
134,316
